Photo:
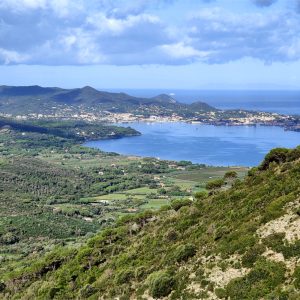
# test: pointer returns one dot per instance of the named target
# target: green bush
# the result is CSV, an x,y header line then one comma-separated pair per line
x,y
296,276
52,292
220,293
178,203
221,232
277,155
9,238
275,241
264,278
87,291
160,284
200,195
140,272
215,184
124,276
252,255
291,250
171,235
230,175
184,252
275,208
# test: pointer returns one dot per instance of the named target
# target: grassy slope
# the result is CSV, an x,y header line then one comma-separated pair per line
x,y
230,244
51,189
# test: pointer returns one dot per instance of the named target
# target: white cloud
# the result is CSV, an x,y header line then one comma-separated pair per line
x,y
58,32
115,26
12,57
268,36
23,4
291,50
182,51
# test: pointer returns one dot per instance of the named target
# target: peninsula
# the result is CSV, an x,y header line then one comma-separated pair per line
x,y
89,104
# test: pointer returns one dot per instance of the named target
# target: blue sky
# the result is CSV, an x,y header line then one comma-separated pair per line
x,y
187,44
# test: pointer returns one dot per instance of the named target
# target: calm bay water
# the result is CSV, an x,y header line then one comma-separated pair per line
x,y
211,145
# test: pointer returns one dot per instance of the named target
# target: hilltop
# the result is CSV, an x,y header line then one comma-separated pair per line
x,y
35,99
89,104
240,240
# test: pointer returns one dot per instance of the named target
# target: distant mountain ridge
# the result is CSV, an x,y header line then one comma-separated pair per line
x,y
35,99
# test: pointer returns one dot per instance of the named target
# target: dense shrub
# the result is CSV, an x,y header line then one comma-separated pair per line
x,y
297,277
294,154
220,293
291,250
252,255
220,232
184,252
264,278
277,155
223,224
124,276
52,292
171,235
140,272
215,184
160,284
87,291
230,175
9,238
178,203
200,195
275,241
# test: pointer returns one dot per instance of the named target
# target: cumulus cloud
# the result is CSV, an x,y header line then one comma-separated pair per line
x,y
9,57
228,36
180,51
61,32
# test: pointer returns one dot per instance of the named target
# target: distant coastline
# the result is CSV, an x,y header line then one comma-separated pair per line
x,y
91,105
239,118
251,119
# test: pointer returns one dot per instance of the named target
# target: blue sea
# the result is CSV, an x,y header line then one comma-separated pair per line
x,y
280,101
218,146
211,145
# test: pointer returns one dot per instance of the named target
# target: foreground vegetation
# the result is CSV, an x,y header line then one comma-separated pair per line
x,y
238,243
56,194
208,234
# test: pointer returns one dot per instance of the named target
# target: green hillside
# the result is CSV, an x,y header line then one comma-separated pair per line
x,y
241,242
55,192
28,100
46,100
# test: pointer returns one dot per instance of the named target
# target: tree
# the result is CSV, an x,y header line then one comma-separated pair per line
x,y
215,184
277,155
230,175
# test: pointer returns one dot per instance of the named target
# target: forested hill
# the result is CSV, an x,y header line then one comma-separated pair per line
x,y
238,243
36,99
78,131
